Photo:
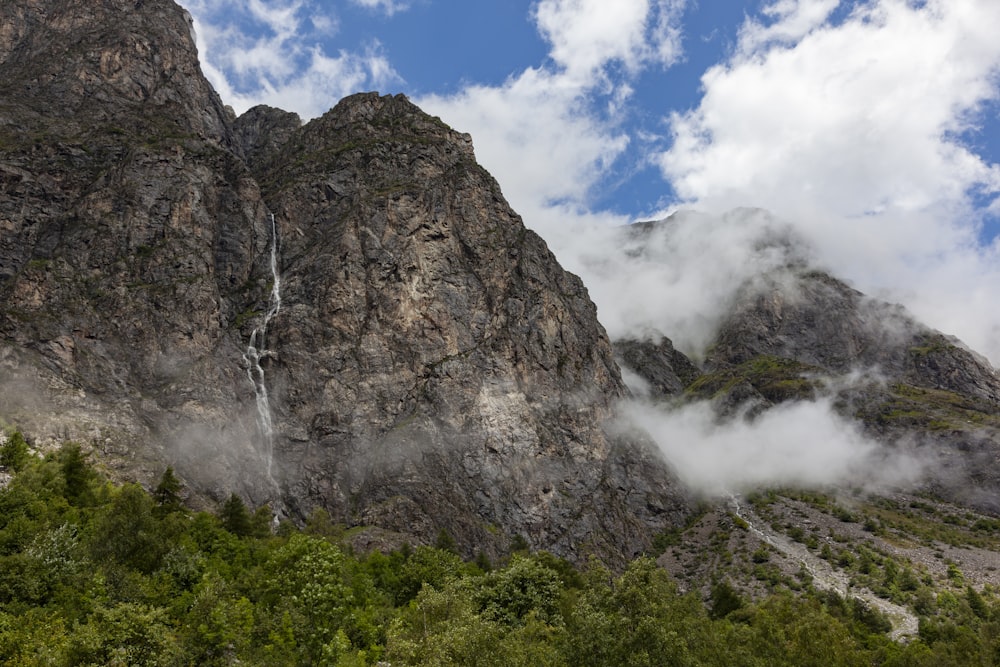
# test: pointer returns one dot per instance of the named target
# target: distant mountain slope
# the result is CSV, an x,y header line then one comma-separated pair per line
x,y
796,333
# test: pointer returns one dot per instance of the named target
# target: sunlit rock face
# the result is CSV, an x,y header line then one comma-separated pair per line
x,y
431,367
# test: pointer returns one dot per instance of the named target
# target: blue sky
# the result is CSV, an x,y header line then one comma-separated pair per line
x,y
871,127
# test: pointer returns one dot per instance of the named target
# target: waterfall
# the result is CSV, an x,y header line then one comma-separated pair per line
x,y
734,502
257,351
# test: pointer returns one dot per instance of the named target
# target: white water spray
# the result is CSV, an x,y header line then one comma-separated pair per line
x,y
257,351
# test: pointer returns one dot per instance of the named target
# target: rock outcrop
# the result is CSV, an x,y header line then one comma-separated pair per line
x,y
431,366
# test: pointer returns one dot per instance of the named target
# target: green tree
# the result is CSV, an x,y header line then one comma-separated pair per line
x,y
524,587
445,542
639,619
77,474
126,634
794,631
14,452
34,637
976,603
426,565
167,492
724,600
261,521
323,592
319,522
235,517
441,627
128,533
218,625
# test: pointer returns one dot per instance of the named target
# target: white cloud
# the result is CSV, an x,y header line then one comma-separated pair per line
x,y
387,7
277,62
587,34
850,132
802,444
681,279
551,134
791,21
853,119
535,135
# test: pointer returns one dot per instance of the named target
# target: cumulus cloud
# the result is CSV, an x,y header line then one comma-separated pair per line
x,y
551,133
851,130
267,53
789,21
802,444
587,34
535,135
854,119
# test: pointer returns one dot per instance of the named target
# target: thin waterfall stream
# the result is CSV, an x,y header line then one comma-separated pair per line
x,y
257,351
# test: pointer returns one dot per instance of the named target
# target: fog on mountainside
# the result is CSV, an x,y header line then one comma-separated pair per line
x,y
742,296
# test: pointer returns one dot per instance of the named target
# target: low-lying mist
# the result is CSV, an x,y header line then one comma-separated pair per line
x,y
802,444
681,278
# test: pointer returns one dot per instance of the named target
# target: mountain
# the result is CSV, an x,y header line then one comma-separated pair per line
x,y
795,333
344,315
901,535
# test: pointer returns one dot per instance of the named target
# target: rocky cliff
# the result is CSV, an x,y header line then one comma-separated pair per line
x,y
395,347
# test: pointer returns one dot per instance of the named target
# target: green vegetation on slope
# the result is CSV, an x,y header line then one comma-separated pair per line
x,y
933,409
776,378
97,574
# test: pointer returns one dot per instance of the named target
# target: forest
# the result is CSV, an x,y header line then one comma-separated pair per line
x,y
98,573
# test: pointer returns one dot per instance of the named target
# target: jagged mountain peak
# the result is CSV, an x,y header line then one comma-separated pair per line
x,y
69,65
261,132
816,319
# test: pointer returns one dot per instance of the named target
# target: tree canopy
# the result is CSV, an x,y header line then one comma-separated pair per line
x,y
97,574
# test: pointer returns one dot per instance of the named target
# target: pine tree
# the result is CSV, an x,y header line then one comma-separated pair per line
x,y
445,542
77,474
14,452
235,517
167,492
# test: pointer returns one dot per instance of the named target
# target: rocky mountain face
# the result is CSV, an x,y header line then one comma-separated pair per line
x,y
427,363
798,333
131,230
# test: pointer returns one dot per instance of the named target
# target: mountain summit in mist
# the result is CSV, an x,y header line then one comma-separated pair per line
x,y
347,315
918,407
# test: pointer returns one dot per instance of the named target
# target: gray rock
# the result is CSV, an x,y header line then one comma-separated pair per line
x,y
666,370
